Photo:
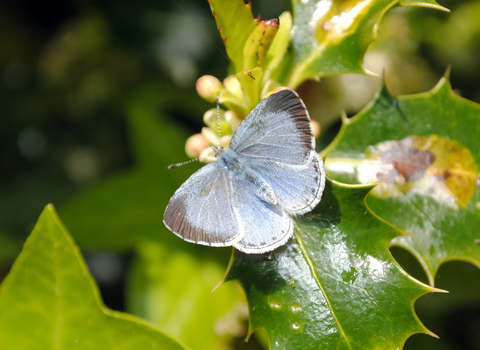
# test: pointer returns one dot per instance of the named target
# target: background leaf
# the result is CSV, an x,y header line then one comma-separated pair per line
x,y
336,286
440,207
128,207
50,293
173,290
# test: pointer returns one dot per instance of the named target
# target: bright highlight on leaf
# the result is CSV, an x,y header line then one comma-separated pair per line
x,y
331,37
431,166
433,193
50,301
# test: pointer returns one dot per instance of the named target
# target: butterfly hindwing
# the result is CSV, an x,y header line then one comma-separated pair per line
x,y
298,189
266,226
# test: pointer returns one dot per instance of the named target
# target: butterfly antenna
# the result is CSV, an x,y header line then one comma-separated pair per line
x,y
218,124
200,159
176,165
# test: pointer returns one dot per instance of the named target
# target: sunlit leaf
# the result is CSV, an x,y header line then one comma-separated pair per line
x,y
50,301
426,149
331,37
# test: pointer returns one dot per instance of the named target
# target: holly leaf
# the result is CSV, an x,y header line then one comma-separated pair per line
x,y
336,286
331,37
425,148
50,301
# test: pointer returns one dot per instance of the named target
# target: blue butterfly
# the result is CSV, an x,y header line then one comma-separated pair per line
x,y
247,198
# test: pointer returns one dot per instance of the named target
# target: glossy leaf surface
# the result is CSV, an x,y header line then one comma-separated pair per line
x,y
50,301
336,286
426,149
331,37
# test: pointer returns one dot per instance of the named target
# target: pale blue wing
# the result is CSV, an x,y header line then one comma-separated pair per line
x,y
203,209
278,129
266,226
298,189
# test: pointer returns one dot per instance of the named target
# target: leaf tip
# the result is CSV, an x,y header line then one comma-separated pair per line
x,y
226,276
50,209
371,73
431,4
343,115
448,70
439,290
443,82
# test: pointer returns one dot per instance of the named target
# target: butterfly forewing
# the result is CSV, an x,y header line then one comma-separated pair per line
x,y
203,210
277,129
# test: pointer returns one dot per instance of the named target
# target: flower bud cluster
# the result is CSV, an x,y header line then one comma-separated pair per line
x,y
259,74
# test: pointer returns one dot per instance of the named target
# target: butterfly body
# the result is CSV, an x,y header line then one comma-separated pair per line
x,y
247,198
244,174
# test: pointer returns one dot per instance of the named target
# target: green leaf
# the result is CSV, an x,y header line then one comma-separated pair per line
x,y
235,23
128,207
173,290
336,286
331,37
50,301
426,148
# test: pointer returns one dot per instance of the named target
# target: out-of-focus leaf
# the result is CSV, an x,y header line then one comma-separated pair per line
x,y
455,40
50,301
331,37
426,148
336,286
235,23
128,207
173,290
